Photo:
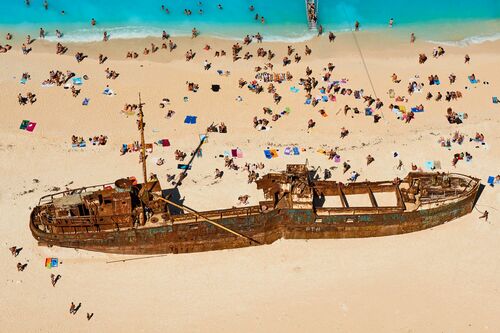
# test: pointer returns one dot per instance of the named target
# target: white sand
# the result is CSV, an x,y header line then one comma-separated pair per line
x,y
440,280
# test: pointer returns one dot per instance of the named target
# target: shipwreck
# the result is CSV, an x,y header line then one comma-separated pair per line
x,y
127,217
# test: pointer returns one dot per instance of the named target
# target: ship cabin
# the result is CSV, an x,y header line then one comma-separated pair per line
x,y
110,206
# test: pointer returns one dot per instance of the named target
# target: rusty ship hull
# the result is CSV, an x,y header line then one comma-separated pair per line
x,y
285,217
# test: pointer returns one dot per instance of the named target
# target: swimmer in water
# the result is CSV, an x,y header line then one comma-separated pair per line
x,y
251,8
62,12
92,22
46,4
219,6
262,20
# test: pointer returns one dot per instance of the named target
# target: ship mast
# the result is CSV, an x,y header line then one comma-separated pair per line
x,y
143,143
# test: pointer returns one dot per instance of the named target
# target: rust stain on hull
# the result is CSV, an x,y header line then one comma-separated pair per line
x,y
423,201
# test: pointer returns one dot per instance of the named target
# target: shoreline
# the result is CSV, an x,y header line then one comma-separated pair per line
x,y
471,32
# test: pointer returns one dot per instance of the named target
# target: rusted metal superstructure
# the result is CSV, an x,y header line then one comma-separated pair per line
x,y
140,218
135,219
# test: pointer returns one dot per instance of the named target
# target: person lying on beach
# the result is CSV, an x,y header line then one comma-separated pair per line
x,y
179,155
111,74
21,267
60,49
14,250
218,173
422,58
79,56
243,199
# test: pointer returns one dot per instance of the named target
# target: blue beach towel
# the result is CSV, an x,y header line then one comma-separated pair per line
x,y
491,180
190,120
23,81
368,112
308,101
77,81
429,165
415,110
296,151
86,101
324,98
437,82
472,81
268,154
495,100
184,166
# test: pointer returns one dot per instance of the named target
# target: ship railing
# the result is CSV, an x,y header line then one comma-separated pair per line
x,y
358,210
231,212
50,197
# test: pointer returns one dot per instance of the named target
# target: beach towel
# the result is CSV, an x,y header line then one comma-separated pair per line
x,y
268,154
324,98
437,164
308,101
333,98
186,98
23,81
86,101
47,85
234,153
239,153
199,153
82,144
288,151
184,166
31,126
415,110
24,124
220,72
226,153
51,262
190,120
124,147
108,91
294,90
368,111
473,81
491,180
204,138
461,115
429,165
337,158
296,151
274,153
77,81
322,91
437,82
495,100
402,108
165,143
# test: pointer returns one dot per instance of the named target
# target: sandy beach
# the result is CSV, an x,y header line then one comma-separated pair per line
x,y
444,279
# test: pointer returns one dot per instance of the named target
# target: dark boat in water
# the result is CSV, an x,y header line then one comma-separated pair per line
x,y
129,218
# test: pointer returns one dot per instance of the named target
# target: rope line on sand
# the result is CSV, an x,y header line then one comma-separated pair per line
x,y
363,60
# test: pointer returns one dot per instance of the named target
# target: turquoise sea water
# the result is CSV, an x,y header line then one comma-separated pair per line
x,y
452,20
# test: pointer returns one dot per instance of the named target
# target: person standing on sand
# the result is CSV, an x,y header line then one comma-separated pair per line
x,y
467,59
412,38
356,26
72,308
320,30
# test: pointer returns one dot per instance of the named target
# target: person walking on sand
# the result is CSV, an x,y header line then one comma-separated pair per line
x,y
467,59
356,26
484,216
